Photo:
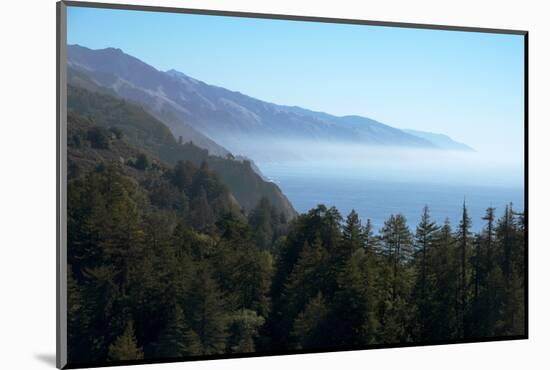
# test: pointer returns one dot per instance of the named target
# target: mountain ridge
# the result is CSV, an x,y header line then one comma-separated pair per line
x,y
441,140
222,115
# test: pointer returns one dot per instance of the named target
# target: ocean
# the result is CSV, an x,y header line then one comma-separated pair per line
x,y
377,197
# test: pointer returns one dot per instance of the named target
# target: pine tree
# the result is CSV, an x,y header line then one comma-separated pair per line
x,y
125,347
483,260
370,241
442,321
263,222
201,213
352,237
310,329
142,162
352,308
393,307
244,326
463,238
105,307
77,320
206,312
511,242
506,236
177,339
489,236
424,239
397,245
306,276
241,267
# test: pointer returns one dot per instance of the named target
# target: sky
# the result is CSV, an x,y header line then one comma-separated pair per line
x,y
467,85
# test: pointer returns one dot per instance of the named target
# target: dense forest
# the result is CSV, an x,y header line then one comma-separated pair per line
x,y
164,262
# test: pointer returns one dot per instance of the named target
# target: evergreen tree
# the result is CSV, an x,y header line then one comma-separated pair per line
x,y
142,162
424,240
242,268
303,283
201,214
99,137
264,220
77,320
310,329
397,246
489,237
125,346
506,236
442,320
463,240
425,232
208,318
352,318
244,328
510,239
370,241
177,339
393,307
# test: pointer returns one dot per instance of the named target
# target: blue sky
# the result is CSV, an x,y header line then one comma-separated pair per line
x,y
466,85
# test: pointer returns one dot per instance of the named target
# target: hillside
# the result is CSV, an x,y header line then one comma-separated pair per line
x,y
199,201
147,133
103,83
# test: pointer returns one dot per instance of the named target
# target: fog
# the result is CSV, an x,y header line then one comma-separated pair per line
x,y
396,164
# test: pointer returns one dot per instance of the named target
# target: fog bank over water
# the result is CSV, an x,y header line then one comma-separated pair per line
x,y
380,181
383,163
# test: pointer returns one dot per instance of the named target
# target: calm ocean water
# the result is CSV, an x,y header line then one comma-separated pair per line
x,y
307,186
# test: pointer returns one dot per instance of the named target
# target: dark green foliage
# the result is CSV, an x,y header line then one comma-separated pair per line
x,y
353,319
440,291
397,246
163,263
142,162
206,311
337,284
98,137
125,347
243,328
268,226
463,242
370,241
177,339
309,328
352,238
425,238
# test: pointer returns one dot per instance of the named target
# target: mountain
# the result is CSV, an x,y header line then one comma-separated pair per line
x,y
441,141
116,80
149,134
222,115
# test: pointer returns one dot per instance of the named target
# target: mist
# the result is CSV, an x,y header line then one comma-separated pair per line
x,y
382,163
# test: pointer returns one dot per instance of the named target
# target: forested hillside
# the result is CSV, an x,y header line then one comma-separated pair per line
x,y
163,264
146,132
